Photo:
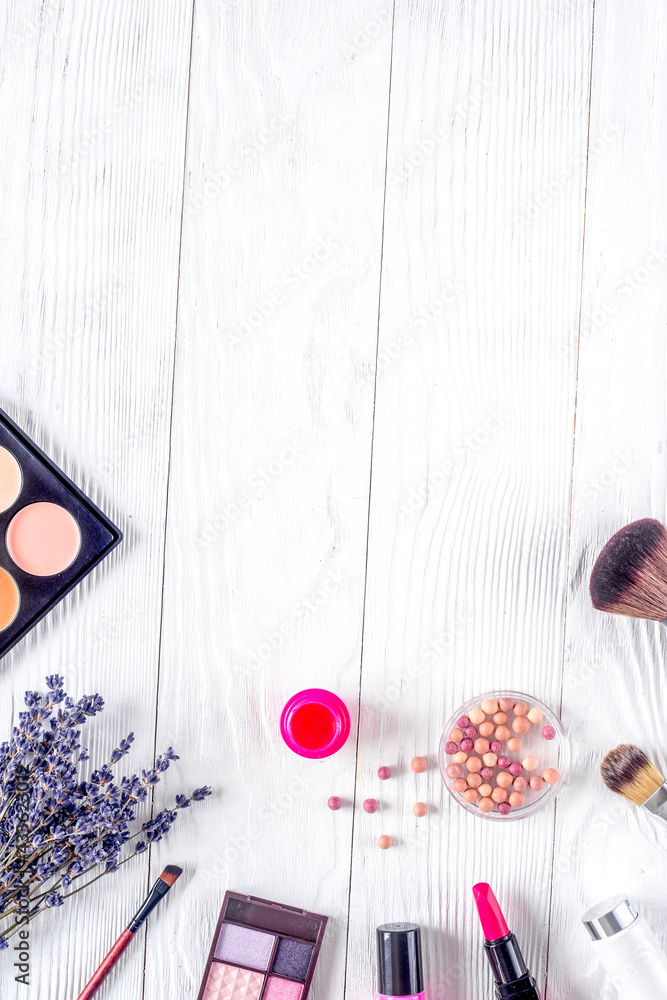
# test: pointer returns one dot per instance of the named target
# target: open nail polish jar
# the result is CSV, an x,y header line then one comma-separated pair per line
x,y
315,723
504,755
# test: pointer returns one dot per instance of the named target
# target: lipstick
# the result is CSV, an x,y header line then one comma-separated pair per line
x,y
400,962
513,980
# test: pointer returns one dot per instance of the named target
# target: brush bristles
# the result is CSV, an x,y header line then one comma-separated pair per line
x,y
170,874
627,771
630,574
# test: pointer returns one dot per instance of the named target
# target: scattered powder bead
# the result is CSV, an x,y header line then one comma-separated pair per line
x,y
537,783
459,785
370,805
384,842
519,784
485,790
474,780
515,768
334,803
490,759
470,732
490,706
521,726
504,809
453,770
551,775
477,716
460,757
420,808
450,748
506,704
535,715
504,779
463,722
486,729
499,795
520,708
514,744
481,745
503,733
500,718
486,805
471,795
473,764
466,745
530,763
517,799
420,764
487,773
385,772
503,762
549,733
496,746
456,735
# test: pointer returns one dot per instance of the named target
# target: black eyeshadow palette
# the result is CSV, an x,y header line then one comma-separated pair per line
x,y
51,534
262,951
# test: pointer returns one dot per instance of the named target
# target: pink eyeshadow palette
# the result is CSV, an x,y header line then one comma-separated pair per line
x,y
262,951
51,534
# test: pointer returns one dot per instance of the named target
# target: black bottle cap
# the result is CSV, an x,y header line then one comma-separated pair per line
x,y
399,960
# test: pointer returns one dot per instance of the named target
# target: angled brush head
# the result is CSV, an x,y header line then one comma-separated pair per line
x,y
627,771
630,574
170,874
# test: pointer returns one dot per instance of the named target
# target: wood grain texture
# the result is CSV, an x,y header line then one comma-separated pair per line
x,y
603,845
92,108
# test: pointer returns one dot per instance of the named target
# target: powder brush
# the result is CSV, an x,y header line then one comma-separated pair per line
x,y
630,574
627,771
157,893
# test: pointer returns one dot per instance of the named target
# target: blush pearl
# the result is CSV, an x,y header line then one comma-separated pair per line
x,y
453,770
486,729
506,704
515,768
463,722
420,764
517,799
503,762
481,745
520,784
504,779
504,809
384,773
514,744
467,745
535,715
521,726
470,732
503,733
459,785
485,790
370,805
496,746
520,708
473,764
500,718
334,803
470,796
487,773
456,735
549,733
384,842
460,757
486,805
530,763
551,775
451,748
476,716
537,783
490,759
420,809
499,795
490,706
474,780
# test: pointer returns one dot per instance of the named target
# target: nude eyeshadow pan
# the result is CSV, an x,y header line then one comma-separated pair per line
x,y
51,534
262,951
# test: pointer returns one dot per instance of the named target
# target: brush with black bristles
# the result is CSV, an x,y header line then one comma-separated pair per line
x,y
630,574
157,893
627,771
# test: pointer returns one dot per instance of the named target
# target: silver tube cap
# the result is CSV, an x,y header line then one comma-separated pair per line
x,y
609,917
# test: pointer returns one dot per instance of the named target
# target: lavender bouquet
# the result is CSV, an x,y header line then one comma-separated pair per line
x,y
59,834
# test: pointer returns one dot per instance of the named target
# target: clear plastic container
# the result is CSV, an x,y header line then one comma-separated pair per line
x,y
553,753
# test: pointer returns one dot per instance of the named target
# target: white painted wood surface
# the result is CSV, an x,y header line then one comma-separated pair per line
x,y
332,308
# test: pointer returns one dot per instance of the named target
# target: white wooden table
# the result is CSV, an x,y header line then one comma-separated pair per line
x,y
353,316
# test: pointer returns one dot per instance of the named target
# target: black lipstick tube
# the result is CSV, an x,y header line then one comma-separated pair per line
x,y
513,980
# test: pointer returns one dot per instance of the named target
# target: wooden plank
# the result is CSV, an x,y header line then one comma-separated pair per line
x,y
93,108
472,456
270,463
603,844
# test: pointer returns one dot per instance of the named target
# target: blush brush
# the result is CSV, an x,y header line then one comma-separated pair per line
x,y
157,893
630,574
627,771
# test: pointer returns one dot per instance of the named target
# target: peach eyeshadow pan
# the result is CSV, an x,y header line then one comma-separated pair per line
x,y
51,534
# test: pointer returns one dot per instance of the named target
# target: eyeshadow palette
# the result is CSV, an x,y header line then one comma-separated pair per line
x,y
262,951
51,534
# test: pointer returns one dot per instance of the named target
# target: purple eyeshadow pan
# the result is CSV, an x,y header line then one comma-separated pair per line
x,y
243,946
292,959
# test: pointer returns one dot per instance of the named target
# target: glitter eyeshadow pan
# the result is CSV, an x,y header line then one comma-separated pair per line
x,y
51,534
262,951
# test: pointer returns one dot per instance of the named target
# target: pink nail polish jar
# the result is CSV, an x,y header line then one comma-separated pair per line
x,y
315,723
